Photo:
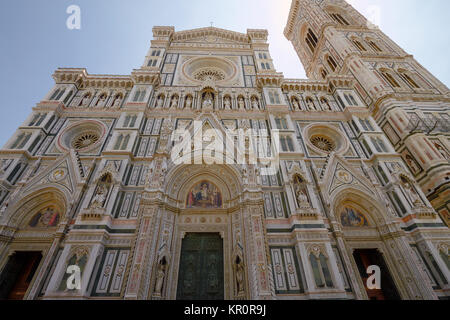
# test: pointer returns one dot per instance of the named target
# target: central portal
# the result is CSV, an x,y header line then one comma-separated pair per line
x,y
201,273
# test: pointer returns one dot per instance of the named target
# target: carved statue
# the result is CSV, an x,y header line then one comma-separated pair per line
x,y
311,105
301,197
117,100
99,199
160,102
174,102
411,192
188,102
160,275
227,103
85,100
241,103
207,102
240,276
255,104
295,104
101,101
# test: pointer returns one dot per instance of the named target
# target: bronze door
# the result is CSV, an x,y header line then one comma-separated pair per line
x,y
18,274
201,267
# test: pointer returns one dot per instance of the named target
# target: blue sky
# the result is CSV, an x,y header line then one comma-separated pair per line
x,y
115,36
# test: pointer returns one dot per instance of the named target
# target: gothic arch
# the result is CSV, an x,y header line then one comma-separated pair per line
x,y
366,204
24,210
182,178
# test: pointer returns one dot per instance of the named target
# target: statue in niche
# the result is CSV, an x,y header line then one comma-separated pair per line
x,y
255,104
296,104
301,193
99,199
208,101
117,100
159,102
310,104
241,103
160,276
188,104
326,104
410,191
174,102
240,276
227,103
85,101
101,100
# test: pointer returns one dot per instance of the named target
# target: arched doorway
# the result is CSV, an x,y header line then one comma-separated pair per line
x,y
36,218
360,220
207,229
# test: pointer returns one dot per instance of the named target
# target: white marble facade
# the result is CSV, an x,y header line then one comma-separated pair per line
x,y
88,179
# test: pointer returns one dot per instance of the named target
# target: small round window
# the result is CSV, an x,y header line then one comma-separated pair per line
x,y
323,143
85,140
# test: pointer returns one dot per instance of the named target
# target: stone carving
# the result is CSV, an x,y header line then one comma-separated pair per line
x,y
208,101
188,103
241,103
174,102
117,100
255,104
227,103
301,192
240,276
160,276
98,200
296,104
410,191
159,102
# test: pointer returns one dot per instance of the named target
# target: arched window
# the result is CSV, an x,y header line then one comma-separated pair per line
x,y
267,66
359,45
339,19
125,142
60,94
374,45
67,98
263,65
409,80
332,63
322,275
389,78
311,40
323,73
127,121
118,142
34,120
133,121
55,94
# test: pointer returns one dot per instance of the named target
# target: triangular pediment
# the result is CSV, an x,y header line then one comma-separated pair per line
x,y
338,173
65,172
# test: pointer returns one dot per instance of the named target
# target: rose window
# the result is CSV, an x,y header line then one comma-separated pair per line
x,y
85,140
209,74
323,143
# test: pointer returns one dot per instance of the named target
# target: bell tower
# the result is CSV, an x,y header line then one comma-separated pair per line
x,y
333,40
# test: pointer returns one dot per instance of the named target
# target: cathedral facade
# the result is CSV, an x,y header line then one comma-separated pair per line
x,y
206,174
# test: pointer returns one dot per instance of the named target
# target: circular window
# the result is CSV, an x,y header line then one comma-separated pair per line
x,y
85,140
211,68
323,143
209,74
323,138
82,136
